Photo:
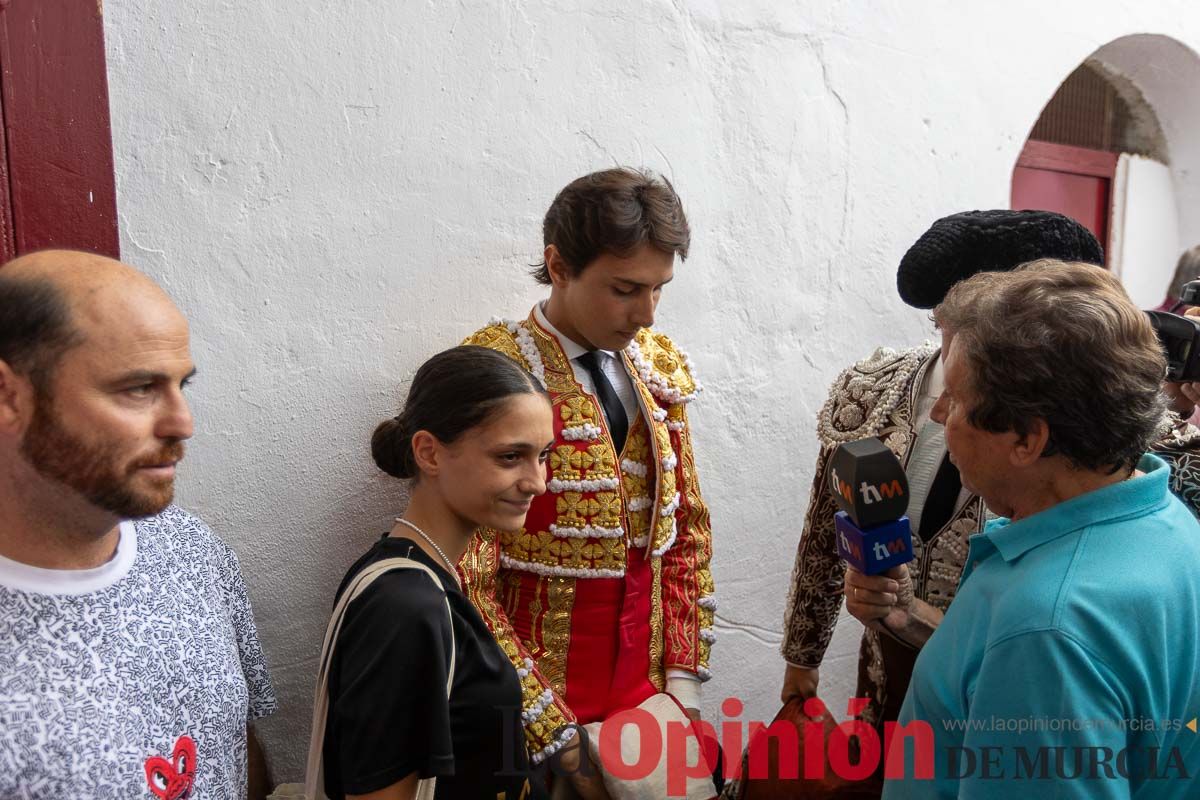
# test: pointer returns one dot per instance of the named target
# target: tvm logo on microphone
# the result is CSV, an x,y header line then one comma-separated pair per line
x,y
883,550
880,550
870,488
870,493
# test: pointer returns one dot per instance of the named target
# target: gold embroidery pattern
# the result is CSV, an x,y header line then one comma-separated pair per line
x,y
658,673
686,578
669,486
635,486
608,509
637,450
663,491
543,547
556,636
539,732
479,567
497,337
698,523
676,641
536,620
560,379
577,410
579,461
599,461
508,587
686,573
574,509
676,579
565,463
569,463
664,527
637,446
659,351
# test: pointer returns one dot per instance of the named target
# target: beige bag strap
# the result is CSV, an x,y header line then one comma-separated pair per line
x,y
314,785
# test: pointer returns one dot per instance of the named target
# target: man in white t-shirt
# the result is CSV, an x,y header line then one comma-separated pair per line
x,y
129,662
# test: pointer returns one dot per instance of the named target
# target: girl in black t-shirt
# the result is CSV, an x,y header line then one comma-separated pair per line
x,y
474,435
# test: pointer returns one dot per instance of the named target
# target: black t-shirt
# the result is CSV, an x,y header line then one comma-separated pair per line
x,y
388,714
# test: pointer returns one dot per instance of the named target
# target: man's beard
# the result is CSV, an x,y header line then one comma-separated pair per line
x,y
92,469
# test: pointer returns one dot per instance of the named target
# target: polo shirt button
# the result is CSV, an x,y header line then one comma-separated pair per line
x,y
974,565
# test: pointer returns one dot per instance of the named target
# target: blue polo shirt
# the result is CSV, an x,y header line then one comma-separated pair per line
x,y
1067,665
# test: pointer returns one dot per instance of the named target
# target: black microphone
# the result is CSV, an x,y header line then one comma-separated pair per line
x,y
871,489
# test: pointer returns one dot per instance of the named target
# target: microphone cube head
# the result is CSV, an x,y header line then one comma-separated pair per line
x,y
876,550
868,482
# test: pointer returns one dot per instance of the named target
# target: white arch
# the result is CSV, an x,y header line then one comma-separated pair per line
x,y
1168,74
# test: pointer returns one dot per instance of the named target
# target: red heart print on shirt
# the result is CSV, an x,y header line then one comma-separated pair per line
x,y
172,780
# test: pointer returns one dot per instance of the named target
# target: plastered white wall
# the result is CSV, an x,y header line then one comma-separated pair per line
x,y
335,191
1144,252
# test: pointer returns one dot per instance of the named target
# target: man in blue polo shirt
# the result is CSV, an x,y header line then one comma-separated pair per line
x,y
1068,664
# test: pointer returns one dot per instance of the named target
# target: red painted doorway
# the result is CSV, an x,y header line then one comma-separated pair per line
x,y
1074,181
57,187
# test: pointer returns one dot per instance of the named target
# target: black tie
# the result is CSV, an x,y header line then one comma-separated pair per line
x,y
614,412
942,498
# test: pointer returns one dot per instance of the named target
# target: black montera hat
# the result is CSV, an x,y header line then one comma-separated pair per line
x,y
961,245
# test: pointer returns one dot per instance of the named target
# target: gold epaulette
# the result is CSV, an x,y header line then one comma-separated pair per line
x,y
664,367
498,335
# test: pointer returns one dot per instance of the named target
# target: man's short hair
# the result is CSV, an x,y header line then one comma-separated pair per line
x,y
1064,343
35,327
613,212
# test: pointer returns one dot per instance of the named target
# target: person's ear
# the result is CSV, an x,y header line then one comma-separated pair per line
x,y
557,267
427,452
1027,449
16,400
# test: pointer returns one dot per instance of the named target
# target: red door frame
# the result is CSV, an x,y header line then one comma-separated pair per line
x,y
1065,158
58,187
1073,161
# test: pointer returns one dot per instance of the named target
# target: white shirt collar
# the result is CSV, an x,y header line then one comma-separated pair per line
x,y
935,379
571,348
38,580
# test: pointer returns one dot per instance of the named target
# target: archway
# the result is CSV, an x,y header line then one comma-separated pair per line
x,y
1115,148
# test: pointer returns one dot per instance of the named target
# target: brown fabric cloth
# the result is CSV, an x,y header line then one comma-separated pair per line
x,y
773,787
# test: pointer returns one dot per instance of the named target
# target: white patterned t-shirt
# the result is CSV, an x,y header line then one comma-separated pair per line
x,y
135,679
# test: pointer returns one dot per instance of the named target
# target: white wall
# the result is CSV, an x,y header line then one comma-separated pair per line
x,y
334,191
1145,243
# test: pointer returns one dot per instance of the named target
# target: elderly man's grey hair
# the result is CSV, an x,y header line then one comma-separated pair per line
x,y
1064,343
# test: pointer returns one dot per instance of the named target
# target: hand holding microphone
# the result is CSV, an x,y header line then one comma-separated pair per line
x,y
875,541
883,598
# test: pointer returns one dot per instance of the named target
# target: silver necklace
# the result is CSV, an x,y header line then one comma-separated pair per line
x,y
434,545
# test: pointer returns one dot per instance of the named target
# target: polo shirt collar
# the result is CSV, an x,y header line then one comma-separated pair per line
x,y
571,349
1126,499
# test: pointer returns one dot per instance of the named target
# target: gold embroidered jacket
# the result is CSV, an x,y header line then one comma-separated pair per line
x,y
875,397
605,518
